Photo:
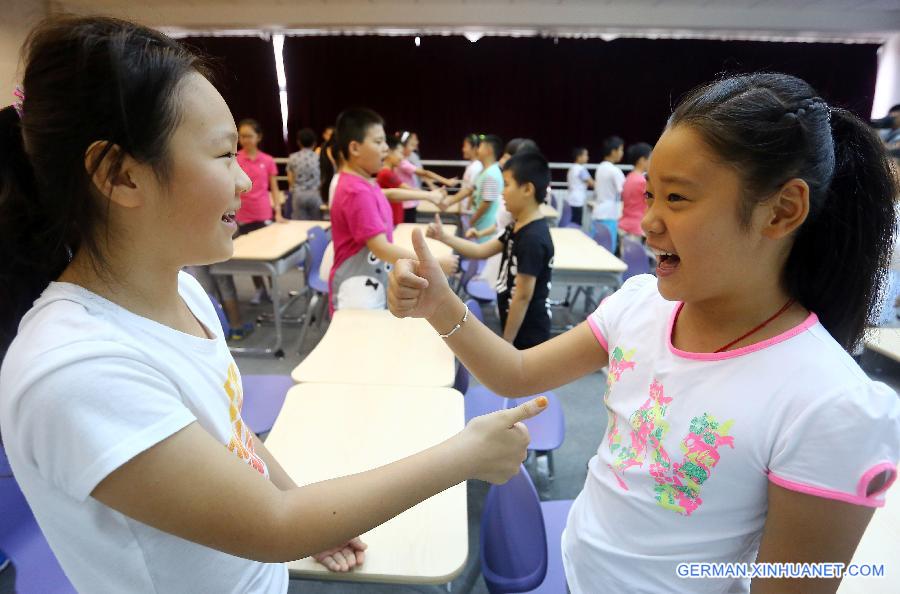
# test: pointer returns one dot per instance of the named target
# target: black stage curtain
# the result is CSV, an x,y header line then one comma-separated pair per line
x,y
562,94
246,77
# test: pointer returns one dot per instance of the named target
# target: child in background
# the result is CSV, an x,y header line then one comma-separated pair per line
x,y
579,179
303,179
634,203
327,134
475,167
608,183
361,221
411,172
264,198
739,427
120,404
488,191
523,283
395,190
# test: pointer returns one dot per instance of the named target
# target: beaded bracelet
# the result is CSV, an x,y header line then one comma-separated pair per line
x,y
458,326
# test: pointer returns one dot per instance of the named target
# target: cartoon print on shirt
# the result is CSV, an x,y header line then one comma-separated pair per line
x,y
361,282
678,484
241,443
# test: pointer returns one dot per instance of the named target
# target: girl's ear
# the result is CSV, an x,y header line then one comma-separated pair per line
x,y
787,209
119,186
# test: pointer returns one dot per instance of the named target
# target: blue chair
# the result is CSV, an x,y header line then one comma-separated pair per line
x,y
520,539
547,430
35,565
317,307
263,398
635,257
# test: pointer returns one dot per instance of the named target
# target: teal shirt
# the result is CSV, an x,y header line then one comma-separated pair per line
x,y
489,181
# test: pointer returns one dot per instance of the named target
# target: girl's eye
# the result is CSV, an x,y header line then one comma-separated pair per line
x,y
648,196
229,155
675,198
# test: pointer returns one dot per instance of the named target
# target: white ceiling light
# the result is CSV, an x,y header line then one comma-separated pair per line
x,y
473,36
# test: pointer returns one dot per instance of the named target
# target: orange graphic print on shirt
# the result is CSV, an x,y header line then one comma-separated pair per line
x,y
241,442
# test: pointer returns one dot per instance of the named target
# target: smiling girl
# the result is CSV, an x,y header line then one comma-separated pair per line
x,y
120,404
739,427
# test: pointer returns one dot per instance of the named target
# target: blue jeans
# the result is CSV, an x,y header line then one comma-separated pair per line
x,y
612,225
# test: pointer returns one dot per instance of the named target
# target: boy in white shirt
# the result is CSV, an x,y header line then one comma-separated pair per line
x,y
608,183
579,179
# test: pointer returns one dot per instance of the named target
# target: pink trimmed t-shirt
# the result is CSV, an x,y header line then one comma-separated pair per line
x,y
256,204
359,212
634,204
693,440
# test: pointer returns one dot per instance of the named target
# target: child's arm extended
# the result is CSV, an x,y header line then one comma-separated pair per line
x,y
406,193
191,486
459,196
808,529
522,293
467,249
390,252
425,174
418,289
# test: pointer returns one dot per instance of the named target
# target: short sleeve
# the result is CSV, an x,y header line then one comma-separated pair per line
x,y
387,179
363,218
406,167
604,319
619,178
82,421
837,447
584,174
490,189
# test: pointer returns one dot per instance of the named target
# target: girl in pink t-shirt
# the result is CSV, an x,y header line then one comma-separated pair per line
x,y
262,203
634,205
740,429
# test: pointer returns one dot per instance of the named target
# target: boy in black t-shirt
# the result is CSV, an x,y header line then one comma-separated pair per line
x,y
523,284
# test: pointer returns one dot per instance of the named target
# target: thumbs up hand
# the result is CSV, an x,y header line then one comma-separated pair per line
x,y
417,288
497,443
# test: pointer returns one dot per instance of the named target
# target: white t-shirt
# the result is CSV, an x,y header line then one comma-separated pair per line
x,y
694,439
85,387
577,181
471,173
608,183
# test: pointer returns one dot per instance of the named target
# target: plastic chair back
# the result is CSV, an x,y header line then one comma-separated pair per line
x,y
475,308
603,237
566,216
635,257
513,547
223,319
316,242
461,381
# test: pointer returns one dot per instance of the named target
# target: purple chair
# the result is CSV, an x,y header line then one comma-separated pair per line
x,y
263,399
547,430
603,237
470,269
35,566
565,220
520,539
317,306
634,255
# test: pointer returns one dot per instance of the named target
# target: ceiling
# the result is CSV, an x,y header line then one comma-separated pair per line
x,y
837,20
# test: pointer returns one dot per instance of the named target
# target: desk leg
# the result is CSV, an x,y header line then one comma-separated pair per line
x,y
276,350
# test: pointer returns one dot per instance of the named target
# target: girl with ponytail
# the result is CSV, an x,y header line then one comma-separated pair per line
x,y
740,428
120,404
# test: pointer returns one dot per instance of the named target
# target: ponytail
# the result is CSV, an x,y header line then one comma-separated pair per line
x,y
773,127
841,256
31,249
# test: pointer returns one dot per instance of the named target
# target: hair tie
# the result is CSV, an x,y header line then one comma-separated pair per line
x,y
19,101
404,137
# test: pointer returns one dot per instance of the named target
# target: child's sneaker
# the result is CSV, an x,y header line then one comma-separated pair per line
x,y
4,561
241,333
260,296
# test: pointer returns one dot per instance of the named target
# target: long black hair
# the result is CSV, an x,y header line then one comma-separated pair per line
x,y
86,79
774,127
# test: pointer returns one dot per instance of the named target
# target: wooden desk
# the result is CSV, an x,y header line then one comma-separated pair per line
x,y
885,341
372,347
270,251
363,427
880,544
579,260
403,237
